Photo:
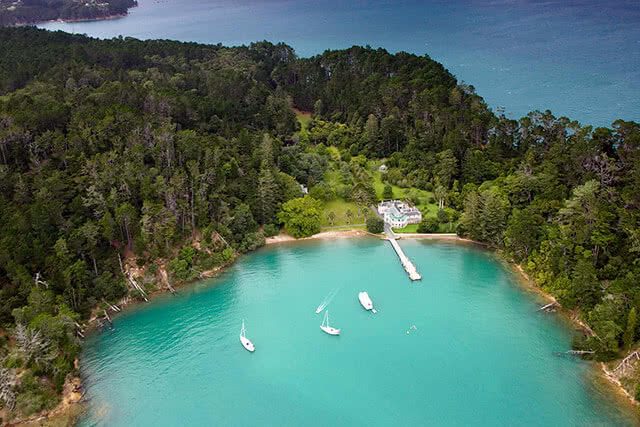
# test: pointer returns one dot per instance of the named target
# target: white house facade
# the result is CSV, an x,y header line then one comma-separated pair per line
x,y
399,214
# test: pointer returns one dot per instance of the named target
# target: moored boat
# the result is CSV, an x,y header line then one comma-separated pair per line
x,y
246,342
365,301
325,325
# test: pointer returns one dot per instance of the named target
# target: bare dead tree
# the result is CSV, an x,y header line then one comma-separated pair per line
x,y
7,387
34,346
40,281
604,167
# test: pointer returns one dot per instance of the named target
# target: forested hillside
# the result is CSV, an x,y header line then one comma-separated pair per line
x,y
31,11
180,156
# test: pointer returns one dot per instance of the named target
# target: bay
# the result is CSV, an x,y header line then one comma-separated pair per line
x,y
465,346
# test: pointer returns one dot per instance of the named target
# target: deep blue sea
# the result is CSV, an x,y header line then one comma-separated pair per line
x,y
578,58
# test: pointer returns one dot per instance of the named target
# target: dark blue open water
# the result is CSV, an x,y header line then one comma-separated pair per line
x,y
579,58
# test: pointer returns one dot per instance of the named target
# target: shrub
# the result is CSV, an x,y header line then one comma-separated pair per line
x,y
375,225
322,191
181,266
34,395
301,216
413,197
387,193
227,254
153,269
210,262
443,217
428,225
271,230
251,242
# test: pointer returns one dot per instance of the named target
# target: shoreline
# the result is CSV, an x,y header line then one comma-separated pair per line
x,y
323,235
76,20
572,318
344,234
72,404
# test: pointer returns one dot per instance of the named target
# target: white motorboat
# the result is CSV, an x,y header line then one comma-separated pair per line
x,y
320,308
325,325
366,301
246,342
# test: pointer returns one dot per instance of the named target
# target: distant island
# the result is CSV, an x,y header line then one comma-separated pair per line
x,y
17,12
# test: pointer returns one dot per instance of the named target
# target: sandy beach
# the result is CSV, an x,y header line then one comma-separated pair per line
x,y
343,234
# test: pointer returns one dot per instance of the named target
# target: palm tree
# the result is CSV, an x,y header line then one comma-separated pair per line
x,y
349,215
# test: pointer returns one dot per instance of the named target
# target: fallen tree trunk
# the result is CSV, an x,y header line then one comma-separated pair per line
x,y
549,306
137,287
626,362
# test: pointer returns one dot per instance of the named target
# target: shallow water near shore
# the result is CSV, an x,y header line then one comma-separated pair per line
x,y
479,354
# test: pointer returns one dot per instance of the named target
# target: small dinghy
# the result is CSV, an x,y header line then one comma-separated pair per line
x,y
325,325
366,301
246,342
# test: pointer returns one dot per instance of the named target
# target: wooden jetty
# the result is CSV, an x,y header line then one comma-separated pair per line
x,y
408,266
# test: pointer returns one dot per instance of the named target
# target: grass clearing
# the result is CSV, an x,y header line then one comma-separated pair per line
x,y
413,228
340,207
427,209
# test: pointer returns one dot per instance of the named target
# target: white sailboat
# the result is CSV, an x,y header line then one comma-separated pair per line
x,y
366,302
325,325
246,342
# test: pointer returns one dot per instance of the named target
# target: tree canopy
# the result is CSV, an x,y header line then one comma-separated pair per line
x,y
301,216
182,155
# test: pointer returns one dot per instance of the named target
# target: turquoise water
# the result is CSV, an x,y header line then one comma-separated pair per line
x,y
481,354
579,58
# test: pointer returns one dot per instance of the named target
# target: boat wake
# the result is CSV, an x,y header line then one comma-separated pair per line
x,y
327,300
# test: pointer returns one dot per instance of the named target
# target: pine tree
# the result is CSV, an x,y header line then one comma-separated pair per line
x,y
494,213
267,184
630,331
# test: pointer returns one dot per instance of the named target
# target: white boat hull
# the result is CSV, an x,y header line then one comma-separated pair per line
x,y
365,301
247,344
329,330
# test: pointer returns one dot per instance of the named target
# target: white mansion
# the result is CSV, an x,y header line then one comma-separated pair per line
x,y
398,214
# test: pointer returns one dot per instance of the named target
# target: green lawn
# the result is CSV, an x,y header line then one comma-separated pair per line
x,y
413,228
332,177
339,208
427,209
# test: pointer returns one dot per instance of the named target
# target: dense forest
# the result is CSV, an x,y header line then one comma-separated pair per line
x,y
176,157
13,12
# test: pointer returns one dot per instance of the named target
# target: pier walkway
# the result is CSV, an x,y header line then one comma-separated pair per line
x,y
406,262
